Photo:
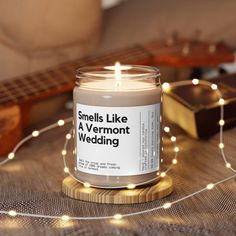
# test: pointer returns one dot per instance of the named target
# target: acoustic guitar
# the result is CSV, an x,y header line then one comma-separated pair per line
x,y
18,95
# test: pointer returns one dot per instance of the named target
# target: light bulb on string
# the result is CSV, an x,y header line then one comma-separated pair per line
x,y
35,133
65,218
195,81
119,216
12,213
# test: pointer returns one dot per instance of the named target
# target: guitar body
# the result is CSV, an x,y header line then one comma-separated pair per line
x,y
10,128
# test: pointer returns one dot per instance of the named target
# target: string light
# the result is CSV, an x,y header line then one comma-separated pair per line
x,y
195,81
221,101
117,216
228,165
35,133
11,155
63,152
166,87
131,186
65,218
12,213
61,122
221,122
174,161
221,145
176,149
167,205
210,186
163,174
214,86
173,138
167,129
87,185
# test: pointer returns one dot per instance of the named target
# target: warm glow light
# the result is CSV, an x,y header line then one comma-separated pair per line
x,y
166,87
221,145
228,165
12,213
63,152
176,149
174,161
195,81
65,217
122,67
167,205
173,138
117,71
35,133
87,185
61,122
131,186
214,86
221,122
210,186
117,216
163,174
221,101
167,129
11,155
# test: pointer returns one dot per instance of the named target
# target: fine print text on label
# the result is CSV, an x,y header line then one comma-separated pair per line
x,y
117,141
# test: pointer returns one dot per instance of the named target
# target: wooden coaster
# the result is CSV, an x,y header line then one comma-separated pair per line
x,y
74,189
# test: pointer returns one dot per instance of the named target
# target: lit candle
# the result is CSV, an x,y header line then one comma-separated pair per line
x,y
117,113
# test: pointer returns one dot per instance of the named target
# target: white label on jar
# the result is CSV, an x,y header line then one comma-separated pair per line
x,y
118,141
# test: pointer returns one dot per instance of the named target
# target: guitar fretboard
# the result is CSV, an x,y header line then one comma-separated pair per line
x,y
60,79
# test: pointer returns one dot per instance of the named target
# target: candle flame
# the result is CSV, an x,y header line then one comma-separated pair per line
x,y
117,68
117,71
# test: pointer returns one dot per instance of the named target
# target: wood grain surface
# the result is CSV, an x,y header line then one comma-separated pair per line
x,y
76,190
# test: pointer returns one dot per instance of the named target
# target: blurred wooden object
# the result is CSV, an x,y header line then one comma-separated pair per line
x,y
196,108
185,53
27,90
10,128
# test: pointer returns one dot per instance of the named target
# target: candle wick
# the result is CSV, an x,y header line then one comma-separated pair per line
x,y
117,76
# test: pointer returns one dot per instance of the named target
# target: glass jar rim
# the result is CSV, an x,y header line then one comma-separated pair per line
x,y
127,71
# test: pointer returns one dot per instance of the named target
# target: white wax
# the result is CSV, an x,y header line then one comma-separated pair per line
x,y
117,93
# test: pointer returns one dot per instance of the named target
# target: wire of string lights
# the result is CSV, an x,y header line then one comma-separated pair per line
x,y
166,87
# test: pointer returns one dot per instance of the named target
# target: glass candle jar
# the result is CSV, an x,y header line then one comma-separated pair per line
x,y
117,116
